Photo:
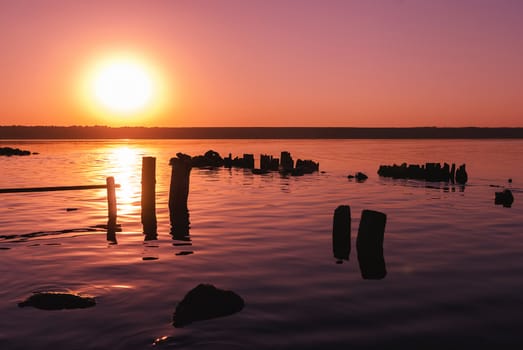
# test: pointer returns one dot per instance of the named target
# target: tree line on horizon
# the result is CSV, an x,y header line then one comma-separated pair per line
x,y
107,132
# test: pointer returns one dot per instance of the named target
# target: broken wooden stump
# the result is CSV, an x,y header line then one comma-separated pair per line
x,y
148,199
181,167
505,198
369,244
341,233
461,175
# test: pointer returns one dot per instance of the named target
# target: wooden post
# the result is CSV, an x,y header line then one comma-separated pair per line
x,y
178,195
341,233
111,207
111,200
149,196
369,245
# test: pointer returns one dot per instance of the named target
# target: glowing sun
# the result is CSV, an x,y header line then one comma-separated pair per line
x,y
123,86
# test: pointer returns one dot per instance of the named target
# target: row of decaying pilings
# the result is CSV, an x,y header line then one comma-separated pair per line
x,y
428,172
369,242
285,164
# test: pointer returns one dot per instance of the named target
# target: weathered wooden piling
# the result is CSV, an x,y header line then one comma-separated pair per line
x,y
453,173
461,175
341,233
286,161
149,196
179,193
111,208
248,160
111,201
369,244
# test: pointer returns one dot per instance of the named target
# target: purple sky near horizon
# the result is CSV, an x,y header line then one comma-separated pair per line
x,y
273,63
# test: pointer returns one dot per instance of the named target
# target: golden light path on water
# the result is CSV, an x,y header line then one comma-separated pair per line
x,y
124,163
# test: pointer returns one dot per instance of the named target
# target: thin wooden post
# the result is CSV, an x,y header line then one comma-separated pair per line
x,y
369,245
111,200
178,195
111,208
341,233
149,196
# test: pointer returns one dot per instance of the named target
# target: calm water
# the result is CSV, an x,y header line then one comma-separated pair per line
x,y
454,259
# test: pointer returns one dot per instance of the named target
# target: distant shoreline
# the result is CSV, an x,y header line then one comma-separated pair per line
x,y
104,132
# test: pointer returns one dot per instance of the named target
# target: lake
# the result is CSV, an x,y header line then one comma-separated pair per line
x,y
454,259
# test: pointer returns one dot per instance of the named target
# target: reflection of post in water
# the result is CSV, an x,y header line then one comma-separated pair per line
x,y
341,233
111,205
178,195
370,245
149,197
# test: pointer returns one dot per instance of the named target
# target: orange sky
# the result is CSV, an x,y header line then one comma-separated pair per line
x,y
272,62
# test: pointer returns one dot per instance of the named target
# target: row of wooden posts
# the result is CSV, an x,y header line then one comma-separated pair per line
x,y
178,195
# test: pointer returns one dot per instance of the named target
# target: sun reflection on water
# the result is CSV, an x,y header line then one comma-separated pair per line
x,y
124,164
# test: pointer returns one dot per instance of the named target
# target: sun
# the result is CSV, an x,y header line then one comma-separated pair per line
x,y
122,86
125,88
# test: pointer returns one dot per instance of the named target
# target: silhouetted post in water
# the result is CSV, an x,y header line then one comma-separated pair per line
x,y
111,205
341,233
149,197
461,175
178,195
286,162
369,245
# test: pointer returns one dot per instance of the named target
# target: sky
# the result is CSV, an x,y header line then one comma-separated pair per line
x,y
368,63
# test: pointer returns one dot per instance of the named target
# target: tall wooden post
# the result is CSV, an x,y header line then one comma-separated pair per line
x,y
111,206
149,197
369,245
178,195
341,233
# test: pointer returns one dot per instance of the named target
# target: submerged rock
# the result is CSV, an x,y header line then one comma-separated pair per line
x,y
8,151
57,301
206,302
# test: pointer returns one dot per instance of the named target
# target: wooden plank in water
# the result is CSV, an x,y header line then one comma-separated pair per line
x,y
56,188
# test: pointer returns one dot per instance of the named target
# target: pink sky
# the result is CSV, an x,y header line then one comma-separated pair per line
x,y
273,62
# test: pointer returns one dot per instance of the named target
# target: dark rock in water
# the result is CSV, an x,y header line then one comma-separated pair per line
x,y
509,181
361,176
57,301
504,198
8,151
206,302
